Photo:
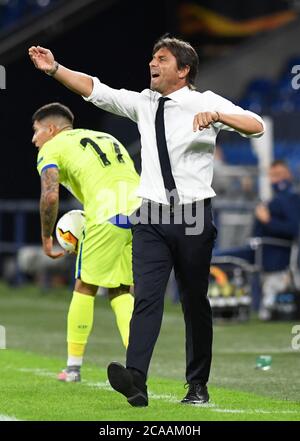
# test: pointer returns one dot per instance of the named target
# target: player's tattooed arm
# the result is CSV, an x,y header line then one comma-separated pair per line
x,y
49,209
49,200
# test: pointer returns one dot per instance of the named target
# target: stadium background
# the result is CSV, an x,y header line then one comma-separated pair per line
x,y
246,54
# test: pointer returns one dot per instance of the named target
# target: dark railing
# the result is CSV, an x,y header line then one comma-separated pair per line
x,y
20,211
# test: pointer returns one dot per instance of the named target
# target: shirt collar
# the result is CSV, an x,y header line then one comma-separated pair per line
x,y
179,94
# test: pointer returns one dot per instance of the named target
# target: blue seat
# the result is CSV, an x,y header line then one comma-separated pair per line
x,y
262,86
258,95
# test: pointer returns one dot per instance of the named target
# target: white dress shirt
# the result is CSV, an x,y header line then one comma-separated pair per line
x,y
191,153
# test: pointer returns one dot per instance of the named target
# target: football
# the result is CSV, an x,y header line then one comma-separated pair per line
x,y
69,229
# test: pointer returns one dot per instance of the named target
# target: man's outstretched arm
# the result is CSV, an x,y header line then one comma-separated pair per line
x,y
44,60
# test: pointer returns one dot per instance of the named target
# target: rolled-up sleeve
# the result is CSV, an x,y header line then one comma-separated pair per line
x,y
121,102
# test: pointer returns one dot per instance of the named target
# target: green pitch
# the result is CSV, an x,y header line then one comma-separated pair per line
x,y
35,326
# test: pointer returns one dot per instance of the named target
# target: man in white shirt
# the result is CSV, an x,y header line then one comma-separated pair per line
x,y
174,226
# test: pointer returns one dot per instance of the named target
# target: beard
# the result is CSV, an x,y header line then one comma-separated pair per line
x,y
155,87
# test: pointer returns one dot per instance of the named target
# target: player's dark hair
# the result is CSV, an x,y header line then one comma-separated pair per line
x,y
279,162
53,109
184,53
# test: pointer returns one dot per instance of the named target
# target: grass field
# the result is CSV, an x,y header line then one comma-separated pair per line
x,y
35,325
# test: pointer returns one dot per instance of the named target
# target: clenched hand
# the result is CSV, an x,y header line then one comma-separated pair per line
x,y
203,120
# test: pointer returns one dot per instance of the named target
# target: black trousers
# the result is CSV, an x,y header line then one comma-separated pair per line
x,y
156,249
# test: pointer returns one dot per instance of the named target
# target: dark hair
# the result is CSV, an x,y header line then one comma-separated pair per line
x,y
184,53
279,162
53,109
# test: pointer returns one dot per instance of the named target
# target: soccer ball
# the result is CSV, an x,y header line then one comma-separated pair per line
x,y
69,229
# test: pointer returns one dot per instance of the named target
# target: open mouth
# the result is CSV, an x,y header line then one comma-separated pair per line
x,y
154,75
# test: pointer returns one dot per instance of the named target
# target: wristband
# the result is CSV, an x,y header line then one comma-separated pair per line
x,y
53,71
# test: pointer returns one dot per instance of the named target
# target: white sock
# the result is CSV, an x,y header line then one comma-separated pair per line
x,y
74,361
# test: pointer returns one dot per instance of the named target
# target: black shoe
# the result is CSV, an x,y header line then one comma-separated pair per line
x,y
197,394
128,382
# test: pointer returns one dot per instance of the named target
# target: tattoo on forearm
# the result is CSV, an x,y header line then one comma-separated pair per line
x,y
49,200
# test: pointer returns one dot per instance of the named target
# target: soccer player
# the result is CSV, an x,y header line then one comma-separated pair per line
x,y
99,172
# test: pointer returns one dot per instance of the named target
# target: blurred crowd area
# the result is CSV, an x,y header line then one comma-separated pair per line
x,y
14,12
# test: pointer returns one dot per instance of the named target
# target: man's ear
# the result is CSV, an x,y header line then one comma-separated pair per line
x,y
183,73
52,129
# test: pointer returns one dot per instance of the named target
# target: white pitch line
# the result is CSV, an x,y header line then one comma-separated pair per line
x,y
104,385
254,411
8,418
38,372
254,351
